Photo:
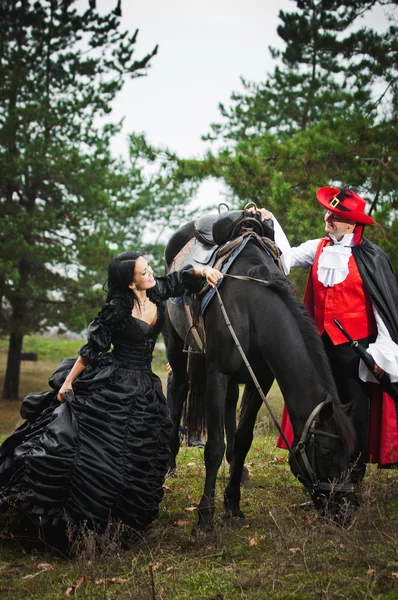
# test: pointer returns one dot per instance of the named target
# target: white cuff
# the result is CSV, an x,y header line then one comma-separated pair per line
x,y
385,354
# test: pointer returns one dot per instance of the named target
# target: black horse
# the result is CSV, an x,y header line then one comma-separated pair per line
x,y
279,341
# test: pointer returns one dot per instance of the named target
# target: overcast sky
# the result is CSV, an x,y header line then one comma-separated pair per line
x,y
204,49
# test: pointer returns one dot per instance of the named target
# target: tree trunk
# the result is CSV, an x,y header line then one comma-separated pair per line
x,y
11,381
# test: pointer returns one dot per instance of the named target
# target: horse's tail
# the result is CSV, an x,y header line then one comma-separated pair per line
x,y
195,407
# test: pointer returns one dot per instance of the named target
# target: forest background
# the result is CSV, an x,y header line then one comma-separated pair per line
x,y
325,114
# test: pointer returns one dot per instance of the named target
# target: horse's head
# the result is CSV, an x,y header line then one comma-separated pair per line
x,y
321,459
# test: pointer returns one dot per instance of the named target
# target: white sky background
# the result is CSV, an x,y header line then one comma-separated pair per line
x,y
204,48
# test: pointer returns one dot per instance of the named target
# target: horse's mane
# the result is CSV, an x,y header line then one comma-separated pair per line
x,y
285,289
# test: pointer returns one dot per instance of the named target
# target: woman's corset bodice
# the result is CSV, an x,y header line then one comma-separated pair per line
x,y
134,355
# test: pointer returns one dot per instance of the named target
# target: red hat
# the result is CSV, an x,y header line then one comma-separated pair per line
x,y
345,203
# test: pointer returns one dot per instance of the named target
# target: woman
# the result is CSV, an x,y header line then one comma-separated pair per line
x,y
96,447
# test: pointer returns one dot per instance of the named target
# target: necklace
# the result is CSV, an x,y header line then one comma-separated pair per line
x,y
142,304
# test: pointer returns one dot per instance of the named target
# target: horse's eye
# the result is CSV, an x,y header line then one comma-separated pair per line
x,y
325,452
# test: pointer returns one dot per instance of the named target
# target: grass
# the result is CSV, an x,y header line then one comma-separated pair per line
x,y
279,552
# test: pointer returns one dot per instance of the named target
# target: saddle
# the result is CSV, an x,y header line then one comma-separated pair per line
x,y
217,241
213,231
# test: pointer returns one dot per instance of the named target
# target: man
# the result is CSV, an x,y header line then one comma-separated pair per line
x,y
351,279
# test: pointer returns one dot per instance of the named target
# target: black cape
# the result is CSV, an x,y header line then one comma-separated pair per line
x,y
379,281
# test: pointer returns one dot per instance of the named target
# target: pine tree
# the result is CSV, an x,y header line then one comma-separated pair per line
x,y
63,199
327,115
325,68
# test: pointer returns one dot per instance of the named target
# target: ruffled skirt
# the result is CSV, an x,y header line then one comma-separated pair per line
x,y
100,455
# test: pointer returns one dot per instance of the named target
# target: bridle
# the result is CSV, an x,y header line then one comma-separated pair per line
x,y
308,438
307,475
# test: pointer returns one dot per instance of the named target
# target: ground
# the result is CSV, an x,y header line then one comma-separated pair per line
x,y
278,552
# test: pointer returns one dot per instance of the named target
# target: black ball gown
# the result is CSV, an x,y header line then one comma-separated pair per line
x,y
103,453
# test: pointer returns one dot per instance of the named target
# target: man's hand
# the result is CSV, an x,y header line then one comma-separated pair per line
x,y
264,213
378,371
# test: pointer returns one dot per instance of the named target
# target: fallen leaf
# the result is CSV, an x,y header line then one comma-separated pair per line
x,y
170,569
252,541
108,580
281,459
370,572
156,566
180,523
245,526
191,464
340,557
78,584
44,566
190,508
394,575
294,550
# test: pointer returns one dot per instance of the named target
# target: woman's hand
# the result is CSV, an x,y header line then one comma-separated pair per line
x,y
212,275
66,387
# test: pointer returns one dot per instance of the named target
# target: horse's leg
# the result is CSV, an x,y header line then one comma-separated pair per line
x,y
230,417
230,425
178,391
216,390
251,404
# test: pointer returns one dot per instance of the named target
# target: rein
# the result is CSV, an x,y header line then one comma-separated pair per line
x,y
309,478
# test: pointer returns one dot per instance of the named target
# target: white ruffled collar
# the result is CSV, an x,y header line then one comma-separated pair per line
x,y
346,240
333,261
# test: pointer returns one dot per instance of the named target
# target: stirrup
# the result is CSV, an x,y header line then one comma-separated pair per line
x,y
197,341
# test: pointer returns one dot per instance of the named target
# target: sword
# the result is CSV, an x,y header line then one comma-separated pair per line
x,y
369,361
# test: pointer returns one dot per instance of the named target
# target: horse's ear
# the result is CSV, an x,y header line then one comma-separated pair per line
x,y
326,412
347,408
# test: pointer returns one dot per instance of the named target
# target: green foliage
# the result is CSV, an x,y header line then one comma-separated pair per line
x,y
47,348
65,203
326,68
327,115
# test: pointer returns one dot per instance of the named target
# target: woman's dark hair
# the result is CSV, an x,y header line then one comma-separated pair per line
x,y
120,276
